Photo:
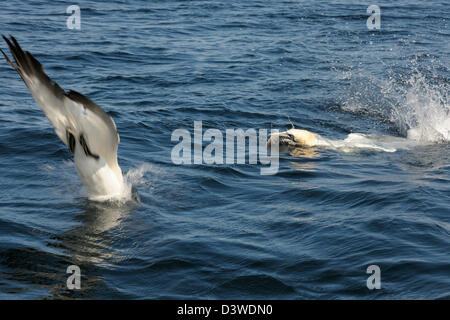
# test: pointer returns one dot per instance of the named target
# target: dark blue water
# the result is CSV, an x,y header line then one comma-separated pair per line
x,y
225,231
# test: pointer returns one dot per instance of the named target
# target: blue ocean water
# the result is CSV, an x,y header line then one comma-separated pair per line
x,y
223,230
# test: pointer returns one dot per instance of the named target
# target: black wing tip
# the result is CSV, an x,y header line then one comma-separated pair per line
x,y
15,50
26,64
16,44
9,42
11,39
5,55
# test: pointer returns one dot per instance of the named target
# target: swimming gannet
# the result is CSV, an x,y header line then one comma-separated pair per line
x,y
298,138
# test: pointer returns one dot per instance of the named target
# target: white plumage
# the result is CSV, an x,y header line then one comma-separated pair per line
x,y
81,124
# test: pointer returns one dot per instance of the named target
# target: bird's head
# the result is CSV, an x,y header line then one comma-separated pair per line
x,y
294,138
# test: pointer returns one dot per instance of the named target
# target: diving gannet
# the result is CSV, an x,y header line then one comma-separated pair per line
x,y
84,127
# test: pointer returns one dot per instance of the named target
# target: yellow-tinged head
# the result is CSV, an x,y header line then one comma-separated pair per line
x,y
294,138
303,137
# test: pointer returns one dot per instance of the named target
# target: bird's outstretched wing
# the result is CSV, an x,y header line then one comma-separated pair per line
x,y
73,115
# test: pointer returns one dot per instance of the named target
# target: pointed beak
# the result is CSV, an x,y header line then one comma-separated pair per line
x,y
284,139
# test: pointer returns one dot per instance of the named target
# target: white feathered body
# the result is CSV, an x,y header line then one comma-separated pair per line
x,y
81,124
100,181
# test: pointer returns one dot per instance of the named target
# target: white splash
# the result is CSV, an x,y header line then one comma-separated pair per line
x,y
359,141
417,103
425,113
133,178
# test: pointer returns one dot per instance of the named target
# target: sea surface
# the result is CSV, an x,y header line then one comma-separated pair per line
x,y
224,231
